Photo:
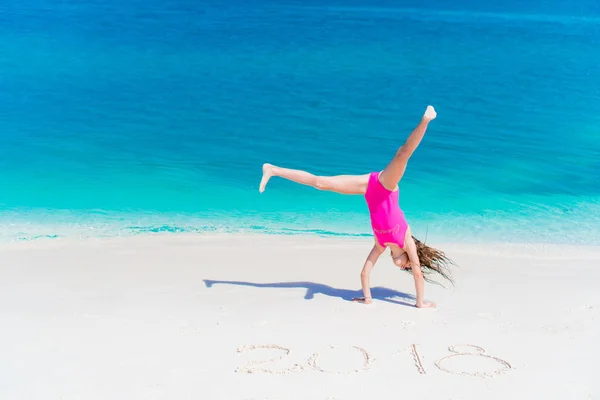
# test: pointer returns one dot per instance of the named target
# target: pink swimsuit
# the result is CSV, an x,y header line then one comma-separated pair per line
x,y
387,219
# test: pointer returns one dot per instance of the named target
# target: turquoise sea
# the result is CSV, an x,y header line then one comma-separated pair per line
x,y
129,117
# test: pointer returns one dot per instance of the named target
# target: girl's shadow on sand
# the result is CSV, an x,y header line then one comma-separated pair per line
x,y
378,293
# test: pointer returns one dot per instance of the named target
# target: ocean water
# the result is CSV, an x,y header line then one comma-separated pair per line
x,y
128,117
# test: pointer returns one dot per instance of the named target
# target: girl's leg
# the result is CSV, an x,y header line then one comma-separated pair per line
x,y
345,184
394,171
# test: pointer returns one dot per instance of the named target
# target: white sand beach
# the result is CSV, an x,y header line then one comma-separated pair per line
x,y
269,317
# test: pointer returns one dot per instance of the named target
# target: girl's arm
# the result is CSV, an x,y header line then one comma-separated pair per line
x,y
415,264
372,258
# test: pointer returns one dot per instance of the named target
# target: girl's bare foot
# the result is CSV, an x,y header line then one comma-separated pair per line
x,y
430,113
267,174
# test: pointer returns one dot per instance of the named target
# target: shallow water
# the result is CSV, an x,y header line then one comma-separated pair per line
x,y
140,117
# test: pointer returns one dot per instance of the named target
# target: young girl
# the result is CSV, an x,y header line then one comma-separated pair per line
x,y
389,225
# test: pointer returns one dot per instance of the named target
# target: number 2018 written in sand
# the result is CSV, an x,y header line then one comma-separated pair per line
x,y
442,364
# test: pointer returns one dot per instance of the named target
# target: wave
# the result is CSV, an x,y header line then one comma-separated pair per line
x,y
455,15
578,224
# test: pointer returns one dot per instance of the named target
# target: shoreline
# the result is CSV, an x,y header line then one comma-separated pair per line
x,y
579,229
498,249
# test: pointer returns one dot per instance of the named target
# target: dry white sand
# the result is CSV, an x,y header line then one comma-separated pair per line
x,y
268,317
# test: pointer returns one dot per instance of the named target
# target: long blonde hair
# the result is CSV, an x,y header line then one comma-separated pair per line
x,y
433,261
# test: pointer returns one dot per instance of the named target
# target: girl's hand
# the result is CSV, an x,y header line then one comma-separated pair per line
x,y
363,300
